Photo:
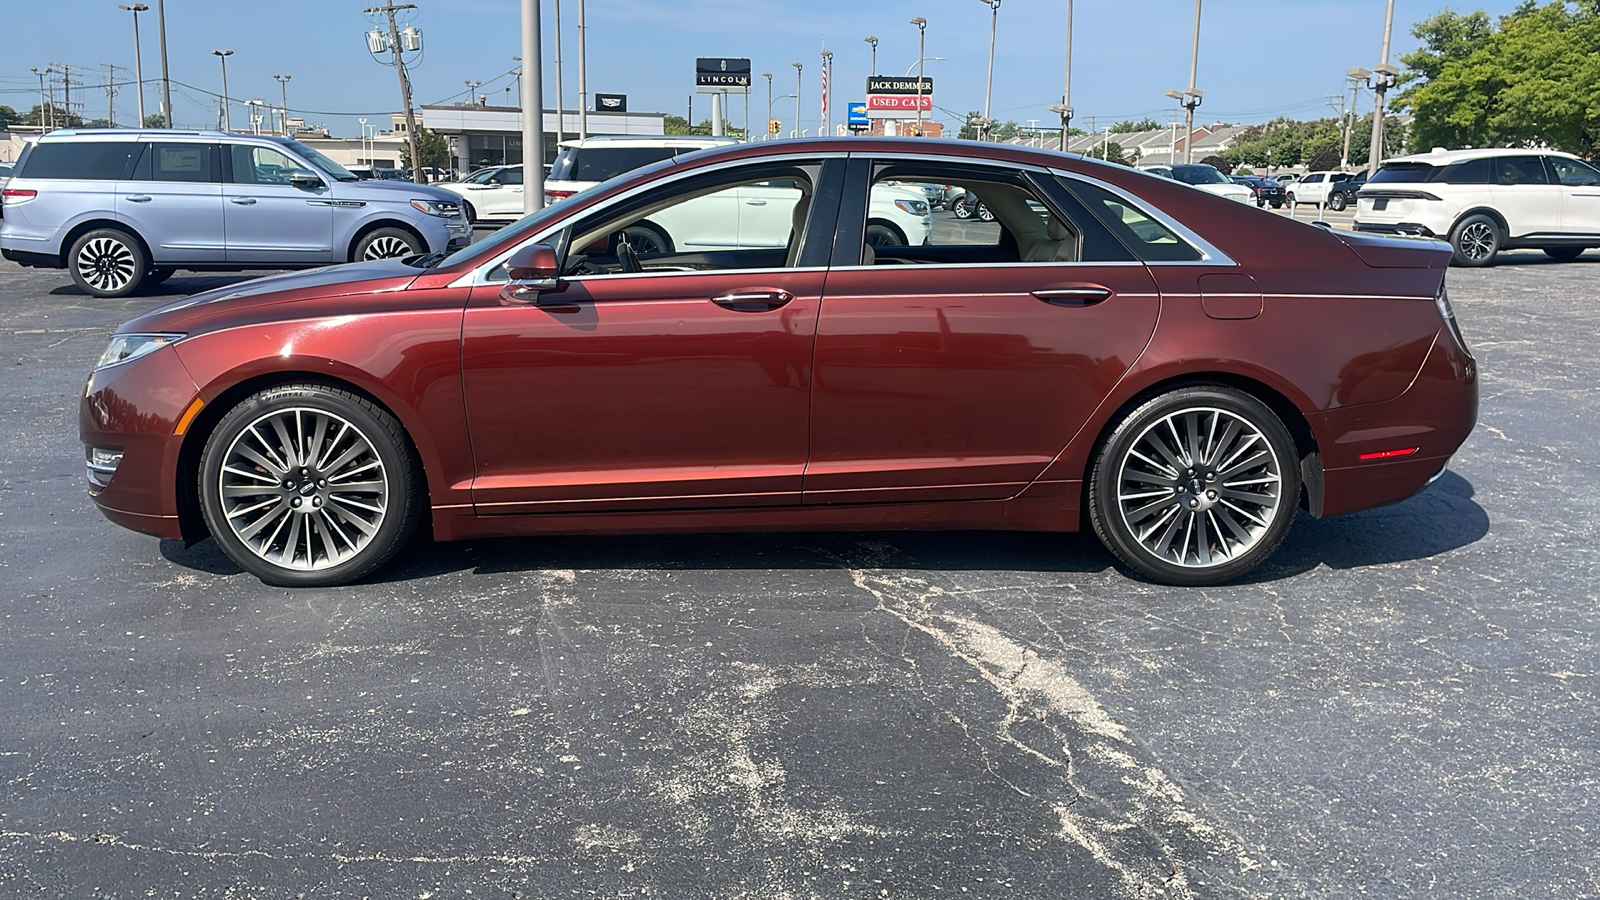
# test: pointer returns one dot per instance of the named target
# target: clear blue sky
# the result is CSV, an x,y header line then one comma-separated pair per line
x,y
1127,53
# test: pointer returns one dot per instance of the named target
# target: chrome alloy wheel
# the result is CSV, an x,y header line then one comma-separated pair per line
x,y
1477,241
1199,487
303,489
386,247
107,264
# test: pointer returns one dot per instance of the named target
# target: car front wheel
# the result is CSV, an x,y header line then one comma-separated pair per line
x,y
387,243
1475,240
309,485
1196,486
1337,202
108,262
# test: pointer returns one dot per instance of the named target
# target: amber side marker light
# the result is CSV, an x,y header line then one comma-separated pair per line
x,y
187,419
1387,454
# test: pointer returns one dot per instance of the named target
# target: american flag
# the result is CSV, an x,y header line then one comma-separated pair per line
x,y
824,91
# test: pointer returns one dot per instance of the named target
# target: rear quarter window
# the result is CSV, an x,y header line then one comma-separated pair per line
x,y
606,163
79,160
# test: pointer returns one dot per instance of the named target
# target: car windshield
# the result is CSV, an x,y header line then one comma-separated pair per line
x,y
481,176
1199,174
605,163
328,166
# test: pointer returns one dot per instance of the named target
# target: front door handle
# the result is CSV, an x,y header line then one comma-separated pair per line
x,y
1080,295
755,203
753,301
139,198
243,201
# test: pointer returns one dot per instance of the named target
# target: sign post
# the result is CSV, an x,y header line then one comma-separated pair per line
x,y
857,117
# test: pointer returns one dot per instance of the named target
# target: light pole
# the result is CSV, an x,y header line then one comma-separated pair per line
x,y
827,93
138,64
1192,96
561,95
922,55
227,116
166,80
42,107
283,86
1358,77
583,89
798,69
873,40
988,83
1384,77
768,77
1065,107
533,108
368,157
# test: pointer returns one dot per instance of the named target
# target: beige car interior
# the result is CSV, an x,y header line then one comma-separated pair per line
x,y
1040,237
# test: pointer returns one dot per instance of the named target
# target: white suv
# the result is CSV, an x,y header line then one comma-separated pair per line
x,y
581,165
1485,201
1312,188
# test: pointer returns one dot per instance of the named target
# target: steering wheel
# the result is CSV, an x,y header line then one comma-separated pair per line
x,y
628,259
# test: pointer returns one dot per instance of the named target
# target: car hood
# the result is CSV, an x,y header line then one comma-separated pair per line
x,y
390,190
187,314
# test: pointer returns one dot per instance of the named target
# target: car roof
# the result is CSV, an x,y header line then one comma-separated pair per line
x,y
1446,157
650,140
106,134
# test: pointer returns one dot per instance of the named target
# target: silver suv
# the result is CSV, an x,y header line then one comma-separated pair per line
x,y
121,209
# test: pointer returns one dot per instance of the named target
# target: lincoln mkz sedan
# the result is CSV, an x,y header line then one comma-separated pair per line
x,y
1176,371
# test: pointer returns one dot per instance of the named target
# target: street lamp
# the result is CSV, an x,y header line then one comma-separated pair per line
x,y
1187,99
1359,78
768,77
1065,106
166,81
227,118
922,55
1192,96
42,107
798,68
988,83
283,84
1386,76
138,63
873,40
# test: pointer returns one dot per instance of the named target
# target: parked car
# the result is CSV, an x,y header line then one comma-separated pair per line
x,y
1286,178
119,209
1264,190
1486,201
1342,193
1179,372
1207,178
370,173
493,194
5,176
582,164
1313,187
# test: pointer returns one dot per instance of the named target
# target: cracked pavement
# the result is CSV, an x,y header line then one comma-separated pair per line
x,y
1402,704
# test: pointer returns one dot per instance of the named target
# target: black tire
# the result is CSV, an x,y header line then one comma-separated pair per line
x,y
984,215
1476,241
472,213
108,262
1564,253
313,497
963,208
645,237
158,275
1337,202
1289,198
387,243
1260,203
1248,520
1277,204
884,234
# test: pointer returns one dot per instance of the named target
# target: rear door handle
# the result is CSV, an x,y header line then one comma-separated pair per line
x,y
755,203
1085,295
139,198
243,201
753,301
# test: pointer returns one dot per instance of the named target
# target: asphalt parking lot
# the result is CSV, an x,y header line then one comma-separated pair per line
x,y
1404,703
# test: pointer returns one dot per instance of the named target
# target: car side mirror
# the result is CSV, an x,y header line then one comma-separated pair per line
x,y
533,270
305,179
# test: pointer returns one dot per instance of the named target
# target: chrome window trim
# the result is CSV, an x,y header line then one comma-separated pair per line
x,y
478,275
1209,254
918,267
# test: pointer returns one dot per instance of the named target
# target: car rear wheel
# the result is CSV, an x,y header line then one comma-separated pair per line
x,y
984,215
308,485
1196,486
108,262
1337,202
1563,253
1475,240
962,208
646,238
884,234
1290,199
387,243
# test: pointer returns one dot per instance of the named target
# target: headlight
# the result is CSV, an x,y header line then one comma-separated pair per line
x,y
914,207
132,346
442,208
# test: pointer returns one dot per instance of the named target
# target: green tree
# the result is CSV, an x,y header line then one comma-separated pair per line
x,y
1221,164
56,115
99,123
1130,126
433,148
1003,131
155,120
969,126
1531,78
9,116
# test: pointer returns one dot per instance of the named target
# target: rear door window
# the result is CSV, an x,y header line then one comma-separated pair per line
x,y
1150,240
1514,170
174,161
80,160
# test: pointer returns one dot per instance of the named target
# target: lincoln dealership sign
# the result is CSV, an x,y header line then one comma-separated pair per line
x,y
713,75
889,97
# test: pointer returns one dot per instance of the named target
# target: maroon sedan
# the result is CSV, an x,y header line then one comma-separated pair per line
x,y
724,342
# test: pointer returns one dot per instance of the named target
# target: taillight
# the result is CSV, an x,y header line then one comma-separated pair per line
x,y
1448,313
17,195
1395,195
552,196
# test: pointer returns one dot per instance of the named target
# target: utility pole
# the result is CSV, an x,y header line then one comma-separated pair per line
x,y
111,93
66,88
988,82
798,69
227,114
583,77
1065,109
1384,75
138,62
283,84
561,96
1192,96
166,81
389,9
